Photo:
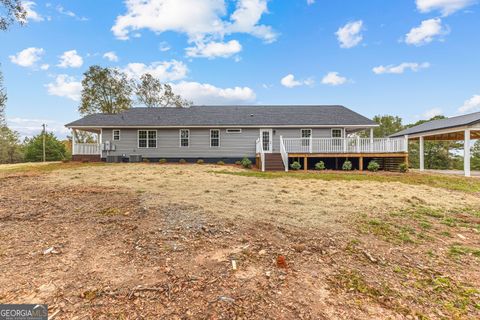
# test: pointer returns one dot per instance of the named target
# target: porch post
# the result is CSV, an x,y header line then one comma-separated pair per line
x,y
360,163
466,153
422,155
371,139
305,163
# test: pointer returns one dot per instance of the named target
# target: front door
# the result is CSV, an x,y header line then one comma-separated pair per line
x,y
267,140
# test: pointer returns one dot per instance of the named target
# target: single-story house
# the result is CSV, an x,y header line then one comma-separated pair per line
x,y
274,136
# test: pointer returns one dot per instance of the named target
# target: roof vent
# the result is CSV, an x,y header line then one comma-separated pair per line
x,y
251,114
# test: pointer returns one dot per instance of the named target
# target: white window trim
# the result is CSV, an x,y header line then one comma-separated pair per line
x,y
180,138
233,131
147,147
113,134
301,132
341,133
211,138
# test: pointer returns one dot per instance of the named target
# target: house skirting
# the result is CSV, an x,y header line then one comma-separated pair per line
x,y
189,160
86,157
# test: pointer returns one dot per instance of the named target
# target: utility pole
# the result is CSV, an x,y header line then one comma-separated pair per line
x,y
43,134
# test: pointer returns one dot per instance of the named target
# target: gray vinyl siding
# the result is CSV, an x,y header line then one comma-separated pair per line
x,y
232,145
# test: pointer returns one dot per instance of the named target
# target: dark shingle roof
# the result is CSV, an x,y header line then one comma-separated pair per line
x,y
227,116
448,123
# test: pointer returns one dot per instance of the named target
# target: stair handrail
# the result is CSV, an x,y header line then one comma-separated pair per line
x,y
259,147
284,153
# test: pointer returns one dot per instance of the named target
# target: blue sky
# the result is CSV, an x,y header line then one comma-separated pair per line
x,y
412,58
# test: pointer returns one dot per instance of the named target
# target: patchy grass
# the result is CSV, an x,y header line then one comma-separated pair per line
x,y
40,167
470,185
457,250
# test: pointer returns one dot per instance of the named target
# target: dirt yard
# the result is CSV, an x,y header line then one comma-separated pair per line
x,y
151,241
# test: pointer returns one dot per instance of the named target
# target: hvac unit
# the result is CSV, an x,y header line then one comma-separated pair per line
x,y
135,158
114,159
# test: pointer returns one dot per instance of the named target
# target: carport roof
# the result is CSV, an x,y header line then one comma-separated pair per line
x,y
449,123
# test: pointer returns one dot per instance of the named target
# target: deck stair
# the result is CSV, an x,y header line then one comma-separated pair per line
x,y
274,162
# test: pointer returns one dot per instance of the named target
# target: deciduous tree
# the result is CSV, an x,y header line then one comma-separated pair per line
x,y
152,93
11,11
105,90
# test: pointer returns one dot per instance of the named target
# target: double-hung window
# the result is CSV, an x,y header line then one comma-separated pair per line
x,y
147,138
214,138
184,137
336,133
116,135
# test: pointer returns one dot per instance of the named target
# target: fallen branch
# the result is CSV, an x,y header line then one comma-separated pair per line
x,y
145,289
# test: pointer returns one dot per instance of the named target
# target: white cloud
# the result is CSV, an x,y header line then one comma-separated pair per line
x,y
111,56
289,81
471,105
70,59
204,93
27,57
426,32
32,127
45,66
69,13
65,86
334,79
163,70
446,7
163,46
199,19
32,15
350,35
310,2
399,69
214,49
432,113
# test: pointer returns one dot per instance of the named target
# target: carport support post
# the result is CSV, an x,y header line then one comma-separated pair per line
x,y
74,133
466,153
422,155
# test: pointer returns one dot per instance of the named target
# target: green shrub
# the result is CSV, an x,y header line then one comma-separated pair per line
x,y
200,161
347,165
296,165
182,161
161,161
220,163
373,166
238,163
403,167
246,163
320,165
146,160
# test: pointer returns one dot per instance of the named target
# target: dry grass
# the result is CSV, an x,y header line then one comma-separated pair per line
x,y
357,246
292,201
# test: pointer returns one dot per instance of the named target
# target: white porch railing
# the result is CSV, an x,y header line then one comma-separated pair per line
x,y
259,150
86,149
344,145
284,154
